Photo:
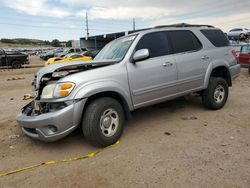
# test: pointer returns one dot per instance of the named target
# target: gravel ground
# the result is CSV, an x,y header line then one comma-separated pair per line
x,y
173,144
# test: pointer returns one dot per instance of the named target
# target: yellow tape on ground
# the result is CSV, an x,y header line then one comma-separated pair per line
x,y
89,155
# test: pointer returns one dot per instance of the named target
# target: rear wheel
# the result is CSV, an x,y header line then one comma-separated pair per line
x,y
16,65
249,70
242,36
215,96
103,122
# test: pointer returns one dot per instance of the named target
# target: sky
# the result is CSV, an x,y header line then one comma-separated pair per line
x,y
65,19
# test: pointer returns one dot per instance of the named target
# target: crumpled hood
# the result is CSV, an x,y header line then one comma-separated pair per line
x,y
70,65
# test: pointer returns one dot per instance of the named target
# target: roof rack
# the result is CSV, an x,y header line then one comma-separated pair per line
x,y
182,25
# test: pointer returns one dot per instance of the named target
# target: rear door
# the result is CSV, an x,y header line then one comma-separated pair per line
x,y
244,55
153,79
189,58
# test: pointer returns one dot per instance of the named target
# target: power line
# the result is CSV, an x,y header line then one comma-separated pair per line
x,y
93,24
35,26
112,23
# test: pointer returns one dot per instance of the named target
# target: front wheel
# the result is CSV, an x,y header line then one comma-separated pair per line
x,y
103,122
215,96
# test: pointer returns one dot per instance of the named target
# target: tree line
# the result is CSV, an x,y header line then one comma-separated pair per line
x,y
54,43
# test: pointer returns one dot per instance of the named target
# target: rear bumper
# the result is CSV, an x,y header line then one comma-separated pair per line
x,y
234,71
51,126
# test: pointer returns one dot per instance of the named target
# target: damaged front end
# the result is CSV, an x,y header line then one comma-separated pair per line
x,y
47,89
52,114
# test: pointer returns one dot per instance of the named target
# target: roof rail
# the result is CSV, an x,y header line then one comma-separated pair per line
x,y
182,25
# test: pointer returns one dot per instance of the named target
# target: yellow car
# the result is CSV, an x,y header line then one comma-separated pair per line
x,y
68,58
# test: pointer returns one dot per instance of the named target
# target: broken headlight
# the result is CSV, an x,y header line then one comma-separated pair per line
x,y
58,90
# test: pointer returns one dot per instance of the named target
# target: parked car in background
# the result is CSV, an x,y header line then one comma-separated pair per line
x,y
49,54
244,56
68,58
239,33
13,58
91,53
70,50
129,73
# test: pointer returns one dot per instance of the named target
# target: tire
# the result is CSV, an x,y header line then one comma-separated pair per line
x,y
97,125
16,65
216,94
242,36
249,70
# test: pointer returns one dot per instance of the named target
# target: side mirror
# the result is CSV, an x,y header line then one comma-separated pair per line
x,y
141,55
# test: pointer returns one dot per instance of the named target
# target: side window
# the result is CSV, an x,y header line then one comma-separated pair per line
x,y
156,43
78,50
216,37
71,50
184,41
75,56
245,49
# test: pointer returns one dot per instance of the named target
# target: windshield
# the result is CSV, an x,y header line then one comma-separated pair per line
x,y
115,50
66,50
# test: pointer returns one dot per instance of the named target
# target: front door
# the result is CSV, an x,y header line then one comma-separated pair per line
x,y
152,80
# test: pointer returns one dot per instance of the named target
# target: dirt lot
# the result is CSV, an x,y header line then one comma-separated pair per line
x,y
174,144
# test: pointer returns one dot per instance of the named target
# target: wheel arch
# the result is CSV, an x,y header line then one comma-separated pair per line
x,y
218,71
111,94
15,60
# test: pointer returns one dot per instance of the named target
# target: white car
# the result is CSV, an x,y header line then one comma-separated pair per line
x,y
239,33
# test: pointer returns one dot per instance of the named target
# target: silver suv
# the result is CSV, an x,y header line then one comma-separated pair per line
x,y
131,72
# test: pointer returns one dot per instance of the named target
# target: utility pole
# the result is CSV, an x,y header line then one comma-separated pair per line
x,y
87,25
133,24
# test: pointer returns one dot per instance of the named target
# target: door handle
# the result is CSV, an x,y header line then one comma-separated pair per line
x,y
167,64
205,57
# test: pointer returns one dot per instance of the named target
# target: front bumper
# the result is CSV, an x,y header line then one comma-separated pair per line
x,y
51,126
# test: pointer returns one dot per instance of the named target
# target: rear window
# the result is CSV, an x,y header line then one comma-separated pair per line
x,y
184,41
216,37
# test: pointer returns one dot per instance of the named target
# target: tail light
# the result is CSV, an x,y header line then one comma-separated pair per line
x,y
234,53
